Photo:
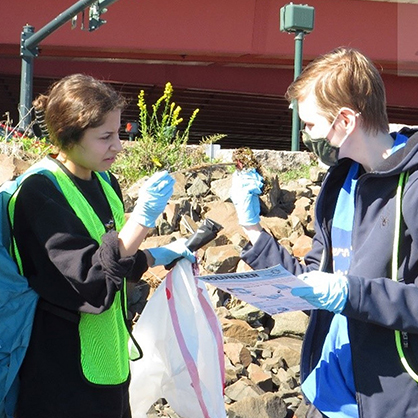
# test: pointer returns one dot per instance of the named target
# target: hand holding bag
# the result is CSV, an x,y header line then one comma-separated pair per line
x,y
181,339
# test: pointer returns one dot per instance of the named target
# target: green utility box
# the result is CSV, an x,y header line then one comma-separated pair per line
x,y
297,18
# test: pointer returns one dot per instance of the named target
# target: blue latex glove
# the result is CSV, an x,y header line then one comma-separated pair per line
x,y
245,191
323,290
152,198
166,254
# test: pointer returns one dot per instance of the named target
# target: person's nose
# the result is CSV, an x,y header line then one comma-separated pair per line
x,y
116,144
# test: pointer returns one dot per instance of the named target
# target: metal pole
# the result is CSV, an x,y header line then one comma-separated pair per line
x,y
26,84
53,25
298,69
29,42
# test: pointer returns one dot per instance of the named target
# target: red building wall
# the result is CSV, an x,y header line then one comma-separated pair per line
x,y
233,45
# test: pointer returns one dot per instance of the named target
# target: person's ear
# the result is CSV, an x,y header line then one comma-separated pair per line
x,y
349,119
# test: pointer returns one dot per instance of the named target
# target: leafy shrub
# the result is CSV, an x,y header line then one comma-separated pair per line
x,y
160,143
28,149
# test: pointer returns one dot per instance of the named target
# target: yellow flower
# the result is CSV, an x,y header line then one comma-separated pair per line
x,y
158,102
176,112
193,116
141,100
168,91
156,162
177,121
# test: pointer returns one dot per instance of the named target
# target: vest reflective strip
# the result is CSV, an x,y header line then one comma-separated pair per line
x,y
103,337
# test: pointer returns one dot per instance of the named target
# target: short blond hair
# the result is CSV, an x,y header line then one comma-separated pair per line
x,y
344,77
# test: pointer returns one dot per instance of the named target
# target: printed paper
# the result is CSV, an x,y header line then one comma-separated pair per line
x,y
267,289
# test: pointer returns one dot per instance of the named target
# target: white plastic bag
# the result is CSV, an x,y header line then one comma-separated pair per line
x,y
181,340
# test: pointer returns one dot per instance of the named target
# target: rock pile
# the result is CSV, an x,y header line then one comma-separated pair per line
x,y
261,351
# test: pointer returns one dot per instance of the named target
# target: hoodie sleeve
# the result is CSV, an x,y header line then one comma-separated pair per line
x,y
267,252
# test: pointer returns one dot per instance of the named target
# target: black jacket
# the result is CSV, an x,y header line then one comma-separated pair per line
x,y
376,305
71,273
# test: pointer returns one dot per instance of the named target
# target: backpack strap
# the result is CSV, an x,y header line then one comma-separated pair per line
x,y
104,175
401,338
16,184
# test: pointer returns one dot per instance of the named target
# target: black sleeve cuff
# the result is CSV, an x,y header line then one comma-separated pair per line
x,y
139,268
109,256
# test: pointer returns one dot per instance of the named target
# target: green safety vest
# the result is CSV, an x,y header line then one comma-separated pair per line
x,y
103,337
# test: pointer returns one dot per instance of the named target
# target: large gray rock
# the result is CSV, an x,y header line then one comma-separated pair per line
x,y
222,188
289,324
268,405
240,331
244,388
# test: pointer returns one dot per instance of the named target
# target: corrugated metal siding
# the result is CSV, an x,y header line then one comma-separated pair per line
x,y
256,121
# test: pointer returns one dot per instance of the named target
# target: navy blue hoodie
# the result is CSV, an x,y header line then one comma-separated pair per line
x,y
376,305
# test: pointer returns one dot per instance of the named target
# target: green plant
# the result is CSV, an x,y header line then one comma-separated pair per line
x,y
30,149
145,156
211,139
301,171
160,143
162,124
